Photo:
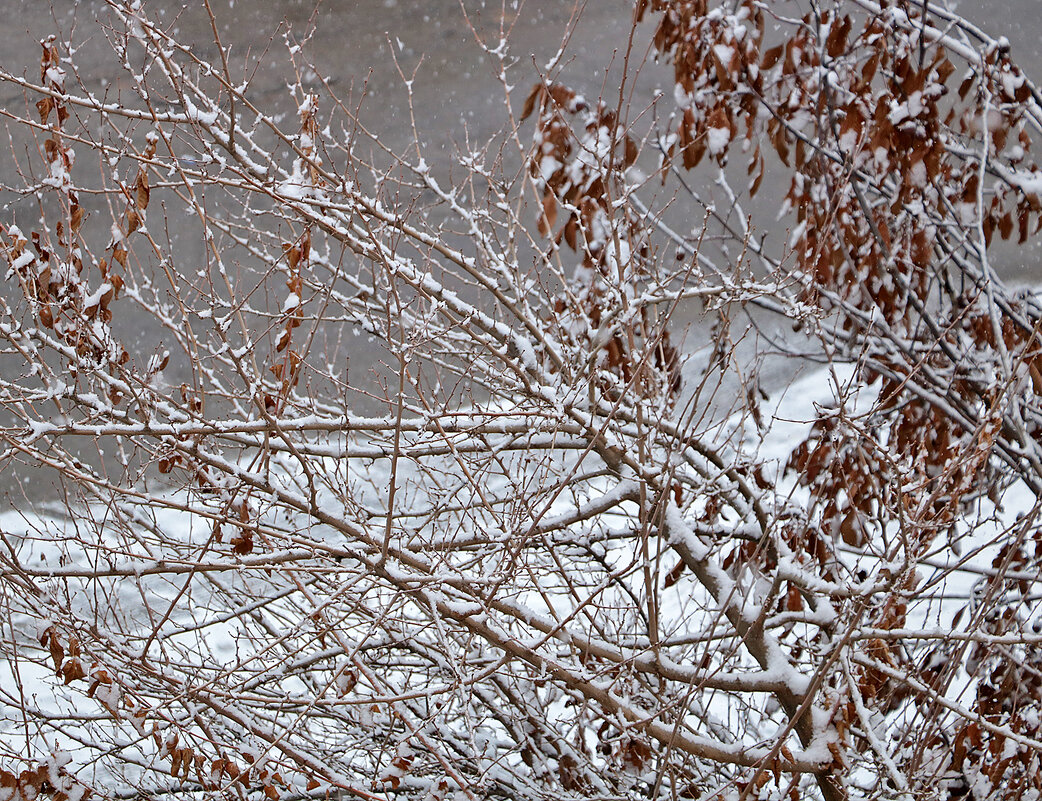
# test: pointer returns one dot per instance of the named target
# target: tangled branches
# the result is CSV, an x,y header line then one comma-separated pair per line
x,y
537,552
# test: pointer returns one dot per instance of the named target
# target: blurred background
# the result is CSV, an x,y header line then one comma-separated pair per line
x,y
458,98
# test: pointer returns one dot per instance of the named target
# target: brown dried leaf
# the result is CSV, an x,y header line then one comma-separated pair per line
x,y
635,754
141,190
44,107
529,106
50,640
770,57
755,186
631,151
72,670
571,229
347,683
283,340
851,531
868,72
966,85
673,576
781,145
242,544
836,42
549,214
693,152
76,215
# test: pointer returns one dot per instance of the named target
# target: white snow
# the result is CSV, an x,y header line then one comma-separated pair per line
x,y
718,139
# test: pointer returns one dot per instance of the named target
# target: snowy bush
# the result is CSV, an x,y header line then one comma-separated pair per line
x,y
545,547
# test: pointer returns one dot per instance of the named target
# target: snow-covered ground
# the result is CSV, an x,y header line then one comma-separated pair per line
x,y
55,543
